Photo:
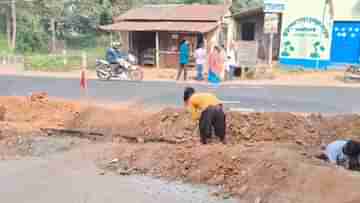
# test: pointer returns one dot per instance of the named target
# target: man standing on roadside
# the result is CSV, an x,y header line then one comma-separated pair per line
x,y
206,108
183,59
200,57
230,62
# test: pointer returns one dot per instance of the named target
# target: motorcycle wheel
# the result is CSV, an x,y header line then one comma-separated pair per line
x,y
136,75
103,76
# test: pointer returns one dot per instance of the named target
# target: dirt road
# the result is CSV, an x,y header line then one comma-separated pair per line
x,y
73,176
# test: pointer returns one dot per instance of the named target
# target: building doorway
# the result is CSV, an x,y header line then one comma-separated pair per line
x,y
144,47
248,31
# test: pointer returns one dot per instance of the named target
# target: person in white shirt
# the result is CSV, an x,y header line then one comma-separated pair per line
x,y
200,57
230,62
344,153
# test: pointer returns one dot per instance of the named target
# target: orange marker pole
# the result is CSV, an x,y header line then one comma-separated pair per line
x,y
83,80
84,85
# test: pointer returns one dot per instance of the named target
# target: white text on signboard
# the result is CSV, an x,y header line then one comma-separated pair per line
x,y
274,6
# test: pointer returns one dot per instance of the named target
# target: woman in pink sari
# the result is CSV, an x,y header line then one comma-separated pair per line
x,y
215,66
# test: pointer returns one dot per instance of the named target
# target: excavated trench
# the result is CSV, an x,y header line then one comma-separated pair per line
x,y
270,157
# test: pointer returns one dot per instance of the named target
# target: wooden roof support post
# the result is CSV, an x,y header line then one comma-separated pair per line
x,y
157,50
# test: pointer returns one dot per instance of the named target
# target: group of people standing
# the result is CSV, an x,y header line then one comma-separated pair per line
x,y
217,62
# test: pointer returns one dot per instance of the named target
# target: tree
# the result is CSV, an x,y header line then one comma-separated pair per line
x,y
6,14
202,1
121,6
13,20
243,4
53,11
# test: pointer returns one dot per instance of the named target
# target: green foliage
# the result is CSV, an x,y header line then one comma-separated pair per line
x,y
2,24
316,44
81,41
30,36
105,18
76,21
4,48
244,4
202,1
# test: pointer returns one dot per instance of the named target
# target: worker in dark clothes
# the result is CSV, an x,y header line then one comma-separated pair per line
x,y
344,153
206,108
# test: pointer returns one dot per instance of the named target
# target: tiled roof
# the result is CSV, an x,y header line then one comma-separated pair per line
x,y
175,13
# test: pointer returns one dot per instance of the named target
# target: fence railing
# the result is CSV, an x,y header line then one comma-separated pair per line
x,y
11,59
52,62
59,62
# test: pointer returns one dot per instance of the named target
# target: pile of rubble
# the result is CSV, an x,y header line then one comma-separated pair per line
x,y
41,97
2,112
267,171
175,126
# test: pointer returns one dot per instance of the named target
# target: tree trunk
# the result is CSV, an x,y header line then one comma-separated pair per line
x,y
13,19
8,28
53,38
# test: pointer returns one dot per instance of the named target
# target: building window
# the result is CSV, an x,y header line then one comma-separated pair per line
x,y
248,31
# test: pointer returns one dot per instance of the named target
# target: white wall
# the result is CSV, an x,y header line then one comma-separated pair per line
x,y
298,37
346,9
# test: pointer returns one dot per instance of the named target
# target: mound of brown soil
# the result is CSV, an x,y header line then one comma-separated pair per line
x,y
2,112
268,157
28,114
281,173
175,126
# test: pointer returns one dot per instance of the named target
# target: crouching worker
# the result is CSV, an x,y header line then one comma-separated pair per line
x,y
206,108
344,153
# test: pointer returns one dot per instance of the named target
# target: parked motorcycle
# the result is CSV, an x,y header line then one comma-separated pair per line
x,y
352,73
126,69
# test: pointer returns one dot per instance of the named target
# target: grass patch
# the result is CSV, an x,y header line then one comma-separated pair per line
x,y
38,61
55,63
4,48
92,55
52,63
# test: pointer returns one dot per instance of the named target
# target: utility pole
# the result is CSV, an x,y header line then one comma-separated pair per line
x,y
13,19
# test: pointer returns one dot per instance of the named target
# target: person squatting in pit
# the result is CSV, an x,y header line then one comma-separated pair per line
x,y
344,153
208,110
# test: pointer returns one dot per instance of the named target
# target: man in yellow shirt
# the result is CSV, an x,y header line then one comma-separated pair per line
x,y
206,108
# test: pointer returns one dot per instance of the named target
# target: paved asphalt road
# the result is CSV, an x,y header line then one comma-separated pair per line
x,y
159,94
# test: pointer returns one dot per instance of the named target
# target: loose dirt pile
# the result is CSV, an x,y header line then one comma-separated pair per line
x,y
269,157
170,125
36,112
175,126
2,113
273,173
